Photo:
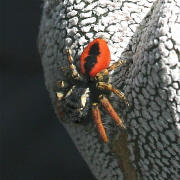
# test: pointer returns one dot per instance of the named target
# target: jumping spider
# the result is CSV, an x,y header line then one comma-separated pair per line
x,y
94,66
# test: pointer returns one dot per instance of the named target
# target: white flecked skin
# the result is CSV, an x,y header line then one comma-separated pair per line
x,y
147,34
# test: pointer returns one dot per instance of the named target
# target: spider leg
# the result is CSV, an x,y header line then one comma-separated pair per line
x,y
74,72
109,87
97,119
116,64
59,86
59,109
108,107
100,76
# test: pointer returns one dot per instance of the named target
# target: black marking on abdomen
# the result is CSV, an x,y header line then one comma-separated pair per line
x,y
91,59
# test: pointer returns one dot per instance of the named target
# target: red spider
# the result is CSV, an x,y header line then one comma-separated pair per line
x,y
94,66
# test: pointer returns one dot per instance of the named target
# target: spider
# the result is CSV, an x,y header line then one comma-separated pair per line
x,y
94,67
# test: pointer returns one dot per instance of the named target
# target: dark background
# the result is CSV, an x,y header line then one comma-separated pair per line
x,y
33,144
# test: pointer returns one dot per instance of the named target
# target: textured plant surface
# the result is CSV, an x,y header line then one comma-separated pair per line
x,y
146,34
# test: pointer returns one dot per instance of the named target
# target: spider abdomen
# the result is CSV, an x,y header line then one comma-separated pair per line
x,y
95,57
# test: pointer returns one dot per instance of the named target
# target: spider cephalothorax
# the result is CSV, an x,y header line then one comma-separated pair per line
x,y
94,66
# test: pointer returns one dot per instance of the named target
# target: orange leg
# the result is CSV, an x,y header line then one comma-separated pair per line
x,y
107,105
97,119
109,87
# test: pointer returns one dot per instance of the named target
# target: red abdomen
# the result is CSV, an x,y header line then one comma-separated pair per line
x,y
95,57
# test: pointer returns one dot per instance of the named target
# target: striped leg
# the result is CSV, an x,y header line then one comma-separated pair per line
x,y
109,87
100,76
74,71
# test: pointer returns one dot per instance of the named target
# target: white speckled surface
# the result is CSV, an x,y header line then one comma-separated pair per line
x,y
146,33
